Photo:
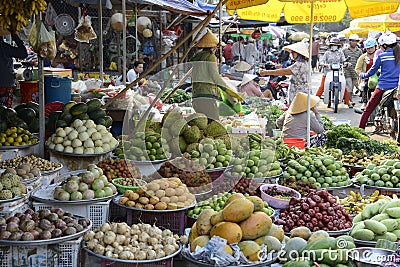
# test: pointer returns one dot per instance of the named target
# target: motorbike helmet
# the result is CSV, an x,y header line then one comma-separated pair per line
x,y
335,41
341,37
387,38
354,37
370,42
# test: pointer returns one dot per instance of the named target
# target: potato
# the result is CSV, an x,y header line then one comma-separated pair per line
x,y
164,185
169,192
179,191
127,193
153,187
154,200
133,196
140,191
149,207
139,205
173,199
130,203
160,193
165,199
123,200
144,200
149,193
161,206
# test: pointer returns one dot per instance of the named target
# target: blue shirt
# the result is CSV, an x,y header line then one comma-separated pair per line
x,y
389,77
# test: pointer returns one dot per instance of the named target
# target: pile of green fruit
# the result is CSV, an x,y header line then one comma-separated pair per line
x,y
83,111
217,203
144,146
295,153
379,220
362,158
17,137
24,116
387,174
179,96
86,185
10,185
322,171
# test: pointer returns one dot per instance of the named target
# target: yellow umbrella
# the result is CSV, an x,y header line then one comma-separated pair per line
x,y
360,31
300,11
380,22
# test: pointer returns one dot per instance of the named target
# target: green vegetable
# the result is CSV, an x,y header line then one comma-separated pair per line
x,y
344,130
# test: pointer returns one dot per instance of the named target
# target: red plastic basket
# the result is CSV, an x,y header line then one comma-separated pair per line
x,y
53,106
165,263
172,220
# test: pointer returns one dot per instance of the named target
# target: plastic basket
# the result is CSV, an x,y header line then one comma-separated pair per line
x,y
122,188
64,254
166,263
96,212
172,220
295,142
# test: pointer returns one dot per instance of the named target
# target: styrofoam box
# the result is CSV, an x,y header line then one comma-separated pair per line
x,y
64,254
98,212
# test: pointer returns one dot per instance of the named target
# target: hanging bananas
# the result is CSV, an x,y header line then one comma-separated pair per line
x,y
15,15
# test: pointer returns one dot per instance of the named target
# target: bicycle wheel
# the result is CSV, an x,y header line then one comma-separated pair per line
x,y
335,99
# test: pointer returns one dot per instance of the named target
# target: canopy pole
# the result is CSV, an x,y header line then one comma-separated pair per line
x,y
124,41
101,59
310,74
42,126
220,39
136,35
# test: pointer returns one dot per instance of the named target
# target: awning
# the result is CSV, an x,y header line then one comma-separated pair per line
x,y
241,23
178,6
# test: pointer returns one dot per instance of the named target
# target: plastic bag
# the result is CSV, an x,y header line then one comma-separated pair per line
x,y
47,48
373,81
84,32
33,37
50,15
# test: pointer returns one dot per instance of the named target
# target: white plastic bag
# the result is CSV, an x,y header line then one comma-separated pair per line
x,y
84,32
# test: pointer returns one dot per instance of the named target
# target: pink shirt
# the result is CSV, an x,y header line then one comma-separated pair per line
x,y
251,89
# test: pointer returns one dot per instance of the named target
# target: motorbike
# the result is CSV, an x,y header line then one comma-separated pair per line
x,y
335,83
276,84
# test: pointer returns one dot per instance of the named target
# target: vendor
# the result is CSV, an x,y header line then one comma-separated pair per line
x,y
132,75
249,86
207,83
293,123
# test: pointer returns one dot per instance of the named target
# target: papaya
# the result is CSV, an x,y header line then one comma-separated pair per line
x,y
257,225
228,249
271,243
217,218
301,231
203,223
193,232
257,202
200,241
277,232
318,235
232,198
250,250
78,109
238,210
230,231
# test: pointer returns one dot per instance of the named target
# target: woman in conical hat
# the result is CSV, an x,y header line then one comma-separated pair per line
x,y
299,70
294,122
207,83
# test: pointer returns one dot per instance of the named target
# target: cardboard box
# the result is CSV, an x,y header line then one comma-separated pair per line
x,y
57,71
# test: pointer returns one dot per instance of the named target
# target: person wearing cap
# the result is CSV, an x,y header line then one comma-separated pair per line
x,y
7,80
364,63
352,53
207,84
293,122
388,63
227,52
332,55
299,70
249,86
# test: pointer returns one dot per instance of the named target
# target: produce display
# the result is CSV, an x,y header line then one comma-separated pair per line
x,y
257,158
10,185
318,249
217,203
344,130
82,137
25,116
295,153
33,160
241,221
191,173
137,242
118,168
17,137
160,194
41,225
322,171
145,146
246,186
275,192
328,124
179,96
387,174
362,158
318,210
354,203
379,220
86,185
123,184
302,187
26,171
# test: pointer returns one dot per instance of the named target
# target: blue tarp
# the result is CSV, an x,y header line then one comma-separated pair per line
x,y
179,6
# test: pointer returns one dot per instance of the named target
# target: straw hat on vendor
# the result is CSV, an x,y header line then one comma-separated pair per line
x,y
299,71
207,84
242,66
294,122
249,86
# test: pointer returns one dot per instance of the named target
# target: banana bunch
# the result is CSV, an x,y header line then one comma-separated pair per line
x,y
15,15
355,203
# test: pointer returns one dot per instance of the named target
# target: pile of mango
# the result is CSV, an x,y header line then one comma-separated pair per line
x,y
379,220
386,174
354,203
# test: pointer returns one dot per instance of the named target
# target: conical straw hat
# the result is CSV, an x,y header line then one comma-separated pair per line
x,y
247,78
299,103
242,66
299,47
208,40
